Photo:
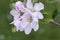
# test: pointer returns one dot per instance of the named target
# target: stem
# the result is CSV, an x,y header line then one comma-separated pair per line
x,y
56,23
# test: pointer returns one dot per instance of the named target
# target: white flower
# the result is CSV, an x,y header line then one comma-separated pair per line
x,y
29,19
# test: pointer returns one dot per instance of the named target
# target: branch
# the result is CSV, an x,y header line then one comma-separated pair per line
x,y
56,23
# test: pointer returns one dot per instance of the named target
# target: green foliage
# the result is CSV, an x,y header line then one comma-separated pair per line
x,y
11,6
14,29
51,1
47,18
35,1
12,1
54,14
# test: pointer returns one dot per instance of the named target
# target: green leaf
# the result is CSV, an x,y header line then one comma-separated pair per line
x,y
14,29
12,1
51,1
54,14
24,2
34,1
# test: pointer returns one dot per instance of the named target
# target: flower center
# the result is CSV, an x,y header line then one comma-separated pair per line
x,y
33,10
29,19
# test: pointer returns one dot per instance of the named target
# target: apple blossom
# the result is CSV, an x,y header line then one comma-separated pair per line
x,y
26,18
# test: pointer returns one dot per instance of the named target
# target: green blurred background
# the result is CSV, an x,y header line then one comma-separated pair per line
x,y
47,31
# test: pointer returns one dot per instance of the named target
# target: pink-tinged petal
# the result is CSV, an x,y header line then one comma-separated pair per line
x,y
35,19
39,6
16,17
23,23
21,29
14,12
29,4
28,29
35,25
17,24
27,10
38,15
19,6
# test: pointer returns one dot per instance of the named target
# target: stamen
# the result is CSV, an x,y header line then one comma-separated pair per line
x,y
33,10
29,19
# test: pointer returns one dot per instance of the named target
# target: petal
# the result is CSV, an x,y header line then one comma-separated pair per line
x,y
39,6
38,15
19,6
21,29
16,17
29,4
35,19
35,25
28,29
23,24
14,13
27,10
17,24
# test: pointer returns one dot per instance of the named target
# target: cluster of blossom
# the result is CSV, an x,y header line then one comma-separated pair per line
x,y
26,16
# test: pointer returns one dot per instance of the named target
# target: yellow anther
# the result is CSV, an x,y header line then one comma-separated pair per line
x,y
33,9
29,19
